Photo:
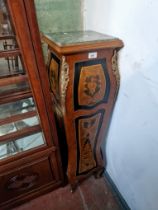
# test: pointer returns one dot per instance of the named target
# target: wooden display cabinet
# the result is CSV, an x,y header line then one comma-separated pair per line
x,y
84,81
30,162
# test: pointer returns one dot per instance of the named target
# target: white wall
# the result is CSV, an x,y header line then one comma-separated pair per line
x,y
132,143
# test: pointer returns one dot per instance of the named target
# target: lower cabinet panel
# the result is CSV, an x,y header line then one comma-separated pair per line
x,y
30,178
87,130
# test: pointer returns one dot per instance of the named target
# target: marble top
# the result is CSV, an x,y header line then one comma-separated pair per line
x,y
77,37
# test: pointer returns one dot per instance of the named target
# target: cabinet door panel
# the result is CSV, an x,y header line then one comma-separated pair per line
x,y
19,117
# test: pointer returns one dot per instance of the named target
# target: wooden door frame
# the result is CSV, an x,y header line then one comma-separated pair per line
x,y
26,28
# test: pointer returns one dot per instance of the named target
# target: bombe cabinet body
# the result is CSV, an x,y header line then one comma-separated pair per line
x,y
84,82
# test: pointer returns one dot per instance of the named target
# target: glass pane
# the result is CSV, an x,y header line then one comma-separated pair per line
x,y
17,118
10,66
18,125
5,24
8,42
11,89
23,144
18,107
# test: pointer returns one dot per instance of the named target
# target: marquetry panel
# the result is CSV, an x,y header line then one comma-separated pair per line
x,y
54,74
92,85
87,131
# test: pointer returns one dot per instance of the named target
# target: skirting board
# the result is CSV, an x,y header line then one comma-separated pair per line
x,y
116,192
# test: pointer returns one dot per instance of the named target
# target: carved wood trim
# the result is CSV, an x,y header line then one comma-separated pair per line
x,y
115,68
64,80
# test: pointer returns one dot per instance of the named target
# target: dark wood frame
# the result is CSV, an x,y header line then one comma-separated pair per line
x,y
23,17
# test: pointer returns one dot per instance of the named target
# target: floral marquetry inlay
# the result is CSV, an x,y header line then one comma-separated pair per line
x,y
88,128
92,85
22,181
53,76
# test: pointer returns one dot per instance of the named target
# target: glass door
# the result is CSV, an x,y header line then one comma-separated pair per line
x,y
20,126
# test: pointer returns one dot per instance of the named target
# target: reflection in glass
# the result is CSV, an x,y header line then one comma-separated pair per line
x,y
18,125
23,144
17,107
5,27
19,117
10,66
8,43
10,89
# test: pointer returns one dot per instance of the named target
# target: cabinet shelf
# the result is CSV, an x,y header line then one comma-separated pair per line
x,y
21,133
9,53
15,96
13,80
18,117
